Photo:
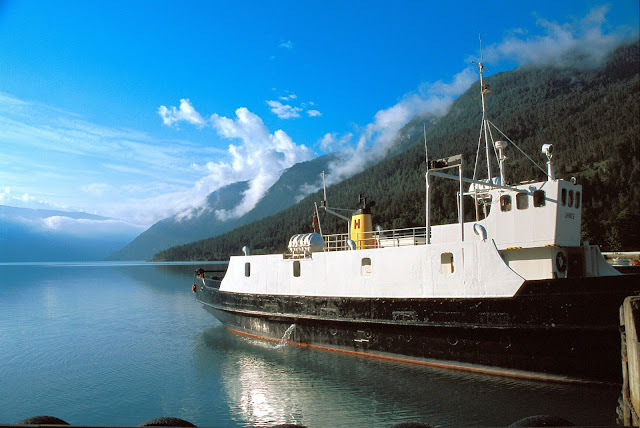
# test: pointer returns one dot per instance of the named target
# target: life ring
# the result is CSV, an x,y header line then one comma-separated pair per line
x,y
561,262
194,288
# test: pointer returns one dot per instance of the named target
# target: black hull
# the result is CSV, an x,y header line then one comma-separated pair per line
x,y
559,329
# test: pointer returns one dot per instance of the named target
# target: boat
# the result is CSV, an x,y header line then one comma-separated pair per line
x,y
513,292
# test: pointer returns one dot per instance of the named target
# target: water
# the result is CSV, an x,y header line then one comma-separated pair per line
x,y
118,344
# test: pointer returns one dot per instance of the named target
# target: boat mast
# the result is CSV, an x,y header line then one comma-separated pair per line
x,y
484,90
428,195
324,204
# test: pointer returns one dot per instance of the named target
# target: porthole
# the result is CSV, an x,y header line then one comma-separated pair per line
x,y
446,263
366,267
296,268
247,269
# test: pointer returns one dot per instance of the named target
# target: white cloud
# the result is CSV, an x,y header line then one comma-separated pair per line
x,y
286,44
288,111
284,111
377,138
330,142
184,113
581,43
260,158
25,198
89,227
460,83
288,97
255,155
98,189
70,224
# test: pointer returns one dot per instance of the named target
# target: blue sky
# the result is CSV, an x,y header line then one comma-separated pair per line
x,y
138,109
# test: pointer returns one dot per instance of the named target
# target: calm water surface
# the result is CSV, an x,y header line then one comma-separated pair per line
x,y
121,343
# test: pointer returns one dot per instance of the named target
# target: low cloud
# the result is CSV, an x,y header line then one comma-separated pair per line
x,y
331,142
89,228
583,43
377,138
78,225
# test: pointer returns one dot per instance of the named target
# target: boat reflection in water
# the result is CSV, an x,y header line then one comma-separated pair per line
x,y
265,384
262,394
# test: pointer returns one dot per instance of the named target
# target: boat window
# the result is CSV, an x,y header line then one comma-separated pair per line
x,y
538,198
522,201
446,263
570,202
577,199
505,203
564,197
296,268
366,266
486,207
247,269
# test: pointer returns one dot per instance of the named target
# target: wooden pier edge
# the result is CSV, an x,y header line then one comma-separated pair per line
x,y
629,328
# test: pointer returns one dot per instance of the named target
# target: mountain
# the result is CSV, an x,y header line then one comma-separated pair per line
x,y
47,235
177,229
207,221
592,116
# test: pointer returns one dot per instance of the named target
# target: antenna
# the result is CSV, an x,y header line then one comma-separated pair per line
x,y
426,153
484,89
318,217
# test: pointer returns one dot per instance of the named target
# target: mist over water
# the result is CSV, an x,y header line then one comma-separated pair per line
x,y
119,344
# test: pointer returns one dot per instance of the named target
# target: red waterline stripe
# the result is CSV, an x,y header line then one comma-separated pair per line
x,y
449,366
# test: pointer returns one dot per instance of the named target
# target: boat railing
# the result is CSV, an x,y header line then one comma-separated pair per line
x,y
211,276
303,253
376,239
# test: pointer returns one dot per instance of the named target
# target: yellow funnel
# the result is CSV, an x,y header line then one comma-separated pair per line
x,y
361,230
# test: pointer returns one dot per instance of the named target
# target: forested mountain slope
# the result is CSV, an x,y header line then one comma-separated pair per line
x,y
591,116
